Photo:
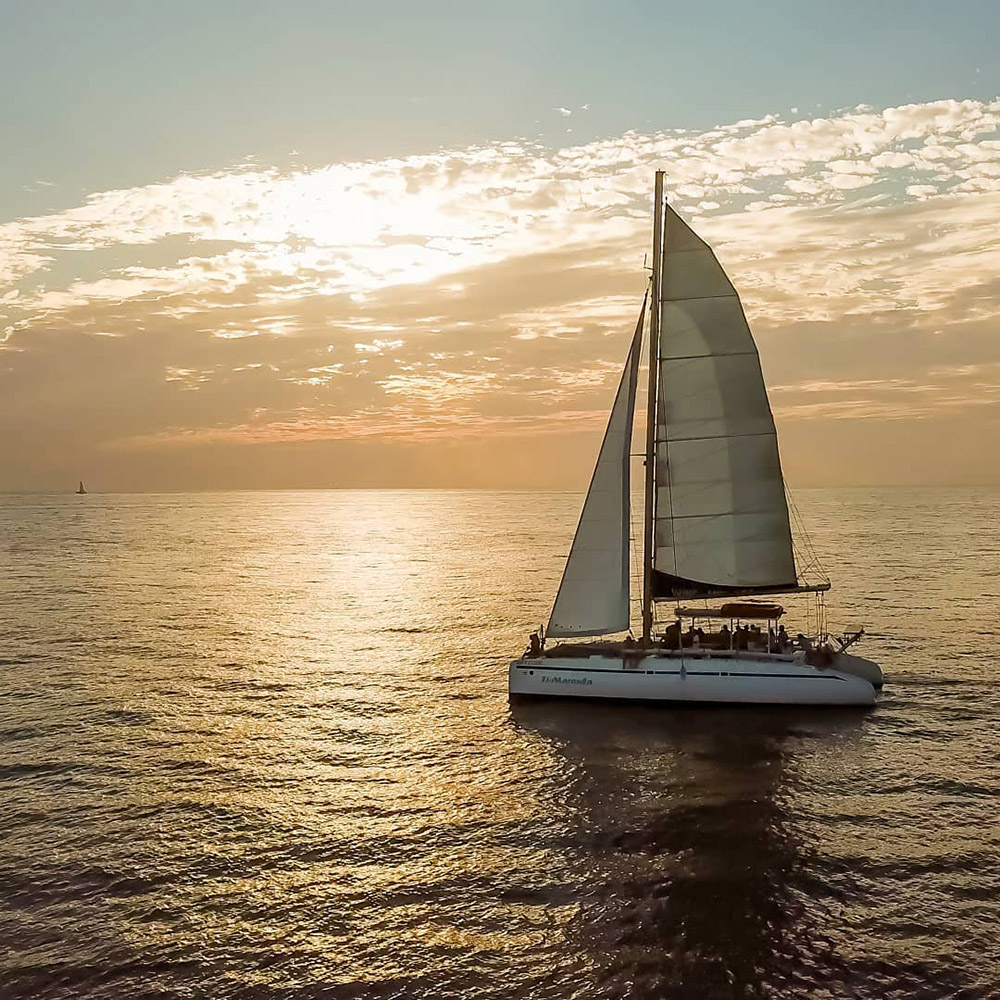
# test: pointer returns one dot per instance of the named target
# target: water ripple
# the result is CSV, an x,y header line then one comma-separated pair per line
x,y
258,746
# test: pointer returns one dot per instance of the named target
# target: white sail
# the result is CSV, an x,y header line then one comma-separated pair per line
x,y
593,597
721,518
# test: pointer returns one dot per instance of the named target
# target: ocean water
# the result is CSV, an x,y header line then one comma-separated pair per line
x,y
258,745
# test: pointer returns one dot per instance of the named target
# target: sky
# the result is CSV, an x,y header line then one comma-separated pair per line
x,y
262,245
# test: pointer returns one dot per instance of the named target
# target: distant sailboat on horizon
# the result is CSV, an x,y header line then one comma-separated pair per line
x,y
80,489
716,522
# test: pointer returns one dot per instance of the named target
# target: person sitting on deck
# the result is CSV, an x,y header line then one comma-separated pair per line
x,y
725,637
783,641
672,636
741,639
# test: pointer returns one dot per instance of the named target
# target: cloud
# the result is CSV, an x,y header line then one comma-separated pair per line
x,y
492,290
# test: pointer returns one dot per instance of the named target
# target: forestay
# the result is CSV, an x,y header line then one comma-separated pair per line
x,y
721,523
593,597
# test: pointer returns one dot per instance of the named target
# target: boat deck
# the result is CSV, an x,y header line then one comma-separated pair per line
x,y
618,649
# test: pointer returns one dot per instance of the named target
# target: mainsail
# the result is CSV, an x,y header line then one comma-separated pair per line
x,y
721,519
593,597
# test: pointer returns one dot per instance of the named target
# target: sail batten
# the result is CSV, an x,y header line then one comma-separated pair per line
x,y
593,597
698,357
722,525
718,513
725,437
694,298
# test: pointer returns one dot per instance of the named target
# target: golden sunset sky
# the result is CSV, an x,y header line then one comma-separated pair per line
x,y
313,245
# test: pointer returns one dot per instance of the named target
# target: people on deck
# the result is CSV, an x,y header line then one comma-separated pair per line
x,y
672,636
741,639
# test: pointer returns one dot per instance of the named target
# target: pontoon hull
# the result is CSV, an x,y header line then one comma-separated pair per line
x,y
688,679
847,663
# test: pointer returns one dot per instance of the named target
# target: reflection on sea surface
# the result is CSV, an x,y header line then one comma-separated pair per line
x,y
259,745
694,845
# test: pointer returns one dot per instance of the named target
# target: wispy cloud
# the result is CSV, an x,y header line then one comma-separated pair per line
x,y
495,287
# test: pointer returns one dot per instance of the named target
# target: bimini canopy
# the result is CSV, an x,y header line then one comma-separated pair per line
x,y
749,612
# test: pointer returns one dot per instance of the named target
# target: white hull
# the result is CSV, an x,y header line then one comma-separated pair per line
x,y
860,667
676,678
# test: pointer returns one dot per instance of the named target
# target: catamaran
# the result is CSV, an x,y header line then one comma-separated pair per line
x,y
716,525
80,490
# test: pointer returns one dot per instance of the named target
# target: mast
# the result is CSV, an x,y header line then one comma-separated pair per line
x,y
651,384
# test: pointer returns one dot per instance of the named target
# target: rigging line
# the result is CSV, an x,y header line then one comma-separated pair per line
x,y
634,566
803,543
636,562
812,557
